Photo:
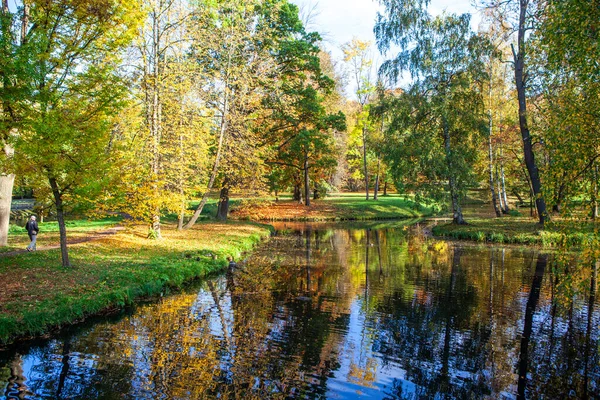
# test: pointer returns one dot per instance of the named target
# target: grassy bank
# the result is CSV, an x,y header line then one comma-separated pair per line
x,y
337,207
520,230
37,294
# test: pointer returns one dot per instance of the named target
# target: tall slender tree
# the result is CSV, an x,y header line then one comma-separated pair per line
x,y
523,16
445,60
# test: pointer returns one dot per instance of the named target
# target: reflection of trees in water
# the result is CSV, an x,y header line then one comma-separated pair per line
x,y
454,323
564,356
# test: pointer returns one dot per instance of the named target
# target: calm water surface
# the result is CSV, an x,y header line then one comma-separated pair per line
x,y
333,311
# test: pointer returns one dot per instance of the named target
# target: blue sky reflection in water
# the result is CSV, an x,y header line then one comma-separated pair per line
x,y
338,312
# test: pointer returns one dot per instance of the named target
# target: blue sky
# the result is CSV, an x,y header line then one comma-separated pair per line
x,y
339,21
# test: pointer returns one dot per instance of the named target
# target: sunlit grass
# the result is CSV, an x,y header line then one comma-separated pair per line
x,y
337,207
49,234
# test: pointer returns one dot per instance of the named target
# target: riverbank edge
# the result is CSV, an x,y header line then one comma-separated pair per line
x,y
540,238
44,322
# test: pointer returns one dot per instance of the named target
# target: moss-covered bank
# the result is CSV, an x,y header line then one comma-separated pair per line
x,y
38,295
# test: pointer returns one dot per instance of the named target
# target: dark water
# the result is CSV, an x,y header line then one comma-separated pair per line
x,y
338,312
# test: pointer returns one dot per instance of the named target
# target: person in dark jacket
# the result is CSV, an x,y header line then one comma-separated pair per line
x,y
32,230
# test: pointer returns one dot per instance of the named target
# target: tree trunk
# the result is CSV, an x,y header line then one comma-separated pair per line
x,y
595,192
499,192
491,169
6,187
518,196
504,196
316,195
457,215
223,208
297,193
364,132
156,125
385,188
519,62
181,162
306,184
24,23
60,216
377,179
560,195
182,209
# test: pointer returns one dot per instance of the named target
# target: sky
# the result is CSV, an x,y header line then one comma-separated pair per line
x,y
338,21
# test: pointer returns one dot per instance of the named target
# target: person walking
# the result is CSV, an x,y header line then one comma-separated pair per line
x,y
32,230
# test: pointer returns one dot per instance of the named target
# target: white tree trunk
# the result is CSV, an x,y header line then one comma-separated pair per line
x,y
6,188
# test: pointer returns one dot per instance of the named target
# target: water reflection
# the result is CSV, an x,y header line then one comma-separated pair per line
x,y
339,312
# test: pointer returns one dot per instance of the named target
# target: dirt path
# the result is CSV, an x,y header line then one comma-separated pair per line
x,y
92,236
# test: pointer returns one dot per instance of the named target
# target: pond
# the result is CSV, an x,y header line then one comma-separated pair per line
x,y
374,311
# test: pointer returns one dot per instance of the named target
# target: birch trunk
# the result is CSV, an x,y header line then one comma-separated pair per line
x,y
595,192
504,195
364,132
457,215
491,168
377,179
306,184
6,188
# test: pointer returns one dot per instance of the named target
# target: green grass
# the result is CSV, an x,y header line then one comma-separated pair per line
x,y
521,230
82,225
49,234
355,206
37,294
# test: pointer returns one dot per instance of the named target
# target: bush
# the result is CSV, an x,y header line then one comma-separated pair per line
x,y
515,213
497,238
480,236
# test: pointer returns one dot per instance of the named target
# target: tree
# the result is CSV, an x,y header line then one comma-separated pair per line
x,y
357,55
441,115
15,72
523,16
305,142
75,91
566,50
232,46
162,79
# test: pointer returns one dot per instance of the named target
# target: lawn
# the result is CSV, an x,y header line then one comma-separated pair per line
x,y
49,235
337,207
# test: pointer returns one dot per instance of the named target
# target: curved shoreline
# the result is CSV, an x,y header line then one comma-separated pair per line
x,y
111,274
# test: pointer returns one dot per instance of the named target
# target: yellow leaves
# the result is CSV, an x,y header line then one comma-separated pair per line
x,y
357,48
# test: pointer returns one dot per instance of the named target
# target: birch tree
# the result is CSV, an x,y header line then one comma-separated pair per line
x,y
443,108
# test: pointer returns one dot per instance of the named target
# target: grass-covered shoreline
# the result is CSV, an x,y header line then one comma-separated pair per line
x,y
521,230
38,295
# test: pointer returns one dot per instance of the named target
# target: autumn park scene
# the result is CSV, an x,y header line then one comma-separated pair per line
x,y
281,199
